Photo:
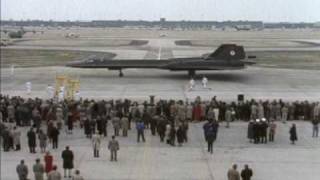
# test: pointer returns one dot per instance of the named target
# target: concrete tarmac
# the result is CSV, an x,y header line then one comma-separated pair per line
x,y
253,82
153,160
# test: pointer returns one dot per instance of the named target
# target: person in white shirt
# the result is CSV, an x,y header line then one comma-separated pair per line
x,y
192,84
204,82
50,91
61,94
77,96
28,87
96,142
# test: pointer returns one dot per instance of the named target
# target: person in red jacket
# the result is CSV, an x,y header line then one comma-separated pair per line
x,y
197,112
48,159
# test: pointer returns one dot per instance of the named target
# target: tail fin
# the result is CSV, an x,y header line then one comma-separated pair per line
x,y
228,52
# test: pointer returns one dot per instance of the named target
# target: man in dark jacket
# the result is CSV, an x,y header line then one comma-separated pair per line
x,y
206,127
67,156
103,125
180,135
210,134
172,135
250,131
5,139
32,140
99,124
293,133
55,137
255,128
161,128
87,128
246,173
22,171
153,125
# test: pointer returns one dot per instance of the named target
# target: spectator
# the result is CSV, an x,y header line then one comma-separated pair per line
x,y
140,129
293,134
116,125
31,140
38,170
55,137
246,173
272,130
54,174
315,128
96,142
250,131
233,173
113,146
77,176
48,160
180,135
67,156
16,134
125,126
42,141
22,171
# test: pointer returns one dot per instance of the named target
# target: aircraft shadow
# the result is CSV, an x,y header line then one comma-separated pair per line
x,y
237,77
213,76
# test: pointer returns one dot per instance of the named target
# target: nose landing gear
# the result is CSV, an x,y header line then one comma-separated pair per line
x,y
121,73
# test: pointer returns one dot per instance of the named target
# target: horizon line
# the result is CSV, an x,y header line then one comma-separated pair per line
x,y
26,20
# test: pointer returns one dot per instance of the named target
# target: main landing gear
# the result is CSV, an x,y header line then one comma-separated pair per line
x,y
191,73
120,73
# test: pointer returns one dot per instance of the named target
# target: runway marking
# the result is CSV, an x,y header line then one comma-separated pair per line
x,y
204,153
144,171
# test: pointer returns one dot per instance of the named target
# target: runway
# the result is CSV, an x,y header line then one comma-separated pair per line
x,y
253,82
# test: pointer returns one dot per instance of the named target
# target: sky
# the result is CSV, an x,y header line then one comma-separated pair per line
x,y
211,10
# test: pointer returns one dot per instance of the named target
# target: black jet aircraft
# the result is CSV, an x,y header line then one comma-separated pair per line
x,y
226,57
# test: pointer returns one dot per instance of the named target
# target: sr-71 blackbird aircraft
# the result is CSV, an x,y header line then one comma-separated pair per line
x,y
226,57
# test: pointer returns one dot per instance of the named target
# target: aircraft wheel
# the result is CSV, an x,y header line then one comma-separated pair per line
x,y
191,73
121,74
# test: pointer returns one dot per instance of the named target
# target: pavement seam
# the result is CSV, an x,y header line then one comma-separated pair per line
x,y
204,155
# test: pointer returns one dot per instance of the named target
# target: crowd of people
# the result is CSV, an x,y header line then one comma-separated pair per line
x,y
169,119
